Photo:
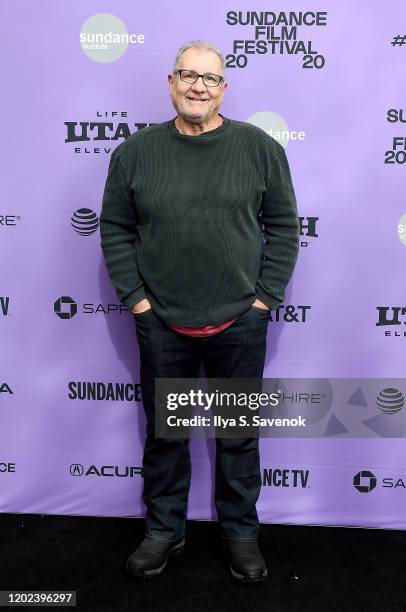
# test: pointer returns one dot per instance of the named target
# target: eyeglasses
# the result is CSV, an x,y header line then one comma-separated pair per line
x,y
189,76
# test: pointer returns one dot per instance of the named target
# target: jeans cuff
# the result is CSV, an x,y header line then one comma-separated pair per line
x,y
152,537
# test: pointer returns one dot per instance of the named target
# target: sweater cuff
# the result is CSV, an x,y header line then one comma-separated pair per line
x,y
267,299
134,298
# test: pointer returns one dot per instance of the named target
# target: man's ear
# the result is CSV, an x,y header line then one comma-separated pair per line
x,y
170,80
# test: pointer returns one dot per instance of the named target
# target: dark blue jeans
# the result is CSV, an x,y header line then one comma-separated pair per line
x,y
236,352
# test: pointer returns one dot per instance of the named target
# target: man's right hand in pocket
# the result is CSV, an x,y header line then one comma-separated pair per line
x,y
141,306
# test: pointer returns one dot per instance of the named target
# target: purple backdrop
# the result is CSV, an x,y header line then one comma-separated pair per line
x,y
333,78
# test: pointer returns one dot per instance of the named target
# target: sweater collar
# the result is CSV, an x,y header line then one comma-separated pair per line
x,y
172,128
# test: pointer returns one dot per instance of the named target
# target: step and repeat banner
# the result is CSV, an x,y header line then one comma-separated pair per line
x,y
327,80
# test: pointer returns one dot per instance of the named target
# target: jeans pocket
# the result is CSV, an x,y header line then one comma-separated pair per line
x,y
139,317
266,311
144,313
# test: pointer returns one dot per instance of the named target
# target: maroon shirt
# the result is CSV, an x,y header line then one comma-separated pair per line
x,y
207,330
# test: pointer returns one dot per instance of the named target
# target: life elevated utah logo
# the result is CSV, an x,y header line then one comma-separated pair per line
x,y
308,229
93,136
105,38
394,318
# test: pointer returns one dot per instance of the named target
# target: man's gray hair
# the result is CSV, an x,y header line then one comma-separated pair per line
x,y
204,46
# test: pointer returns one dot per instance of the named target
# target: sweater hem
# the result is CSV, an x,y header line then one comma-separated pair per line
x,y
214,316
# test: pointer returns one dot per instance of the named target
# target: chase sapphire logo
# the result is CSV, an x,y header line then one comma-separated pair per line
x,y
390,400
84,221
364,481
65,307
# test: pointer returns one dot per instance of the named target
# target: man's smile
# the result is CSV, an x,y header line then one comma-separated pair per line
x,y
196,99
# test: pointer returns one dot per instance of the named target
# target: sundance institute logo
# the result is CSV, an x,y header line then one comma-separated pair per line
x,y
364,481
105,38
276,126
84,221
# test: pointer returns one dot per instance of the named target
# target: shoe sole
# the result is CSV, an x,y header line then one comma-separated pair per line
x,y
177,550
243,578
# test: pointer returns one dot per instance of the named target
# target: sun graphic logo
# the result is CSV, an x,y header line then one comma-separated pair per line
x,y
364,481
390,400
85,221
105,38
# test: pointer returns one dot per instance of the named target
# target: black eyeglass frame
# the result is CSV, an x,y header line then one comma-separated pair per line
x,y
199,75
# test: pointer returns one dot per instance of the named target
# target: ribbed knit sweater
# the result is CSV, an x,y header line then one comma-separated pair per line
x,y
199,225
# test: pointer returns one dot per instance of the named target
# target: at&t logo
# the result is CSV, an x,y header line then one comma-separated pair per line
x,y
84,221
390,400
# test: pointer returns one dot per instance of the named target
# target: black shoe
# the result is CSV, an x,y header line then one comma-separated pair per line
x,y
150,558
246,562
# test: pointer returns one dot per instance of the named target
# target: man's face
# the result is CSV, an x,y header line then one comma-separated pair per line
x,y
196,102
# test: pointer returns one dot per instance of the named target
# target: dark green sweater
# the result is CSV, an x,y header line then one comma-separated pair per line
x,y
181,221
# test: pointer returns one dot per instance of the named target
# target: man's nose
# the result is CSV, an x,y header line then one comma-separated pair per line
x,y
199,85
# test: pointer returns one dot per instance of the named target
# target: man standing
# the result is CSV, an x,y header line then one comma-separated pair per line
x,y
200,234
